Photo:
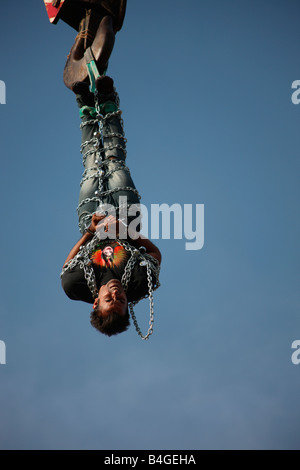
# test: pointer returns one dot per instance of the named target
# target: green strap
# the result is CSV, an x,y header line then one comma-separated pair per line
x,y
93,74
92,68
108,107
88,111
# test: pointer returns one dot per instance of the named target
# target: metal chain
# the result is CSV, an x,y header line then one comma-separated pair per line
x,y
93,141
99,148
115,134
82,259
90,278
90,122
106,193
106,174
121,188
86,220
121,166
151,322
149,262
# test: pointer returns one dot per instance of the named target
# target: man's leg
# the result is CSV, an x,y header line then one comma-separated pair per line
x,y
106,177
88,197
117,175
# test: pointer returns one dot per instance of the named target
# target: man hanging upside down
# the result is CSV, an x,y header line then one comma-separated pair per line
x,y
112,266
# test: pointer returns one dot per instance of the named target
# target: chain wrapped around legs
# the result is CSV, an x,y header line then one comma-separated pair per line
x,y
105,178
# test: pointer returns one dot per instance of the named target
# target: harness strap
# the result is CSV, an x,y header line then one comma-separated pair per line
x,y
92,68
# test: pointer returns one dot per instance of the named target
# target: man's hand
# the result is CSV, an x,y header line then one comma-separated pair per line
x,y
108,227
96,219
56,3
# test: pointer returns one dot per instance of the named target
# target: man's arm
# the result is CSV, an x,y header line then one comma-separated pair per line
x,y
110,224
85,237
151,249
88,235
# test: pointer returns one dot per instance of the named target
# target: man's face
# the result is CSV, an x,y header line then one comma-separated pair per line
x,y
112,298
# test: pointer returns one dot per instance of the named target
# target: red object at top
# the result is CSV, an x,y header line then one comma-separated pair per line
x,y
53,11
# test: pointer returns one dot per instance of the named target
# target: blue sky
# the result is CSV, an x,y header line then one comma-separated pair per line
x,y
205,89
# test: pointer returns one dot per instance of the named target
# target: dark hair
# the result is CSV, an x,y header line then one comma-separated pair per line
x,y
109,325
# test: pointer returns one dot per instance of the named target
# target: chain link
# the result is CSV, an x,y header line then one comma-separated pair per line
x,y
90,122
114,134
120,163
